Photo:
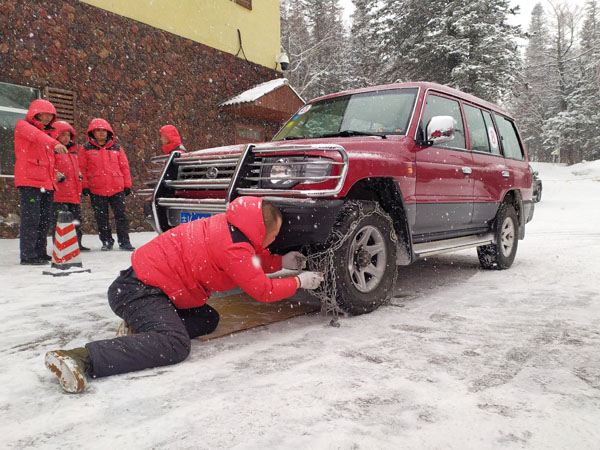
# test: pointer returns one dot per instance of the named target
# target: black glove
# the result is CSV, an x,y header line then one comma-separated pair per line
x,y
85,192
127,191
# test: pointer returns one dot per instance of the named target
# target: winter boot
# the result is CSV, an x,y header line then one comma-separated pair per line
x,y
83,248
107,246
70,367
128,247
123,330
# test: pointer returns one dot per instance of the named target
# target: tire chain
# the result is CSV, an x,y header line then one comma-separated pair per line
x,y
324,261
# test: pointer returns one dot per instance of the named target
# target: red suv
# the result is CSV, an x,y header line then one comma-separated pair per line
x,y
369,180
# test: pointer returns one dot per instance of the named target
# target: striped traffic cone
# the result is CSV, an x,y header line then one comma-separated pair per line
x,y
65,256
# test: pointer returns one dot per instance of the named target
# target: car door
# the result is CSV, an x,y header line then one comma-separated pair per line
x,y
444,188
489,168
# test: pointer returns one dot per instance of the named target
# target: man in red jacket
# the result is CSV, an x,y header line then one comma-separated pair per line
x,y
107,180
163,295
35,178
170,140
67,196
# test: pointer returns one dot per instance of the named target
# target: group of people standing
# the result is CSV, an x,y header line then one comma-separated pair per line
x,y
52,173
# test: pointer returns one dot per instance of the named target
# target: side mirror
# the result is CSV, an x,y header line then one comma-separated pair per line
x,y
440,130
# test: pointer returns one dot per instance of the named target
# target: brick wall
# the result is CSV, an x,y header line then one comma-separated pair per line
x,y
135,76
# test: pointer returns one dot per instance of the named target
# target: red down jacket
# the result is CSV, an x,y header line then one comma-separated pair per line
x,y
196,258
171,133
105,167
34,149
68,191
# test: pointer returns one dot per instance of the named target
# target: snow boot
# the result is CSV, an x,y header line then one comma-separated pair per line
x,y
70,367
123,330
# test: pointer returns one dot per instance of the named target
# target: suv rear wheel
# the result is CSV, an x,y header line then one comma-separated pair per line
x,y
364,265
506,230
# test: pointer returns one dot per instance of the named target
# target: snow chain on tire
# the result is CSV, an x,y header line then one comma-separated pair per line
x,y
324,261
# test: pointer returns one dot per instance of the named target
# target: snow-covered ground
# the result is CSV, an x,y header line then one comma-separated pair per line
x,y
461,359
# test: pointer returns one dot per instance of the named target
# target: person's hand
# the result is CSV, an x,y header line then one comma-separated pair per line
x,y
127,191
310,280
293,261
59,148
60,177
85,192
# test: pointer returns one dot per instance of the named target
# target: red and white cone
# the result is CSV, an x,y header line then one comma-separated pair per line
x,y
65,256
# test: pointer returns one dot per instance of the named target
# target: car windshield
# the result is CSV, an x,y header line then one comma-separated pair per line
x,y
365,114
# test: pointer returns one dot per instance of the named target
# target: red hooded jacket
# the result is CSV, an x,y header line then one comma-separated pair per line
x,y
68,191
214,254
171,133
34,149
105,167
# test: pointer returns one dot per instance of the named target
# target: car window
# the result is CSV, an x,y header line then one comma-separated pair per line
x,y
376,112
491,132
477,129
442,106
508,136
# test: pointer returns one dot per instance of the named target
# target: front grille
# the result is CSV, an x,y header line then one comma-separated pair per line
x,y
210,172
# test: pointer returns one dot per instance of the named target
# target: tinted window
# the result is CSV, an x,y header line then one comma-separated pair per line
x,y
508,135
477,129
441,106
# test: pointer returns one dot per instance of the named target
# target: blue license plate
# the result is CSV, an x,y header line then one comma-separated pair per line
x,y
185,217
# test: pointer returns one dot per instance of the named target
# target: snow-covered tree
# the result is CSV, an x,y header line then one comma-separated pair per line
x,y
316,40
365,64
531,104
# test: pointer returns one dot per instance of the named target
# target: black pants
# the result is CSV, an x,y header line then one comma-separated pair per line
x,y
117,203
161,333
36,215
73,208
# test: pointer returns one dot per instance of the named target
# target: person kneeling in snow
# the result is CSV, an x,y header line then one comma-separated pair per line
x,y
162,297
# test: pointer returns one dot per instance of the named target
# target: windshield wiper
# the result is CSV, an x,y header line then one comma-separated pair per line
x,y
348,133
291,138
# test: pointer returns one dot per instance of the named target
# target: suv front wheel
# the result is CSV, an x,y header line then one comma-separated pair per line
x,y
363,266
501,254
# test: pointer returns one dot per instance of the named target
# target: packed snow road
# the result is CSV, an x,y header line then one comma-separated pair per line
x,y
462,358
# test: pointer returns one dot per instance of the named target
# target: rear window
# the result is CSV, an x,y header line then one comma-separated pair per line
x,y
509,138
477,129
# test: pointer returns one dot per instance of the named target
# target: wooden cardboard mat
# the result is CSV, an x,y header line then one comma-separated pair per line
x,y
241,312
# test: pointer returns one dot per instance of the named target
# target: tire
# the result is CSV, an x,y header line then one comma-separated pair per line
x,y
365,264
501,255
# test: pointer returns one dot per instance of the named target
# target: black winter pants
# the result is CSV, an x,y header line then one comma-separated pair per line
x,y
36,215
73,208
161,333
100,205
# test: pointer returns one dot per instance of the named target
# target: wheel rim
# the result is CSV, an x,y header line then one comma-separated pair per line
x,y
507,237
367,259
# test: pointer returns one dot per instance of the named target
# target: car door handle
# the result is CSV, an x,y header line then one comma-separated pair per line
x,y
467,170
505,173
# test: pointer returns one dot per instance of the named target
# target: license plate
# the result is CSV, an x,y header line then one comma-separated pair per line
x,y
185,217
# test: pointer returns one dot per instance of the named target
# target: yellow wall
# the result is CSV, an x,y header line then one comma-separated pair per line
x,y
210,22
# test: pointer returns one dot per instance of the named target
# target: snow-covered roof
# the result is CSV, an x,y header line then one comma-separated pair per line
x,y
258,91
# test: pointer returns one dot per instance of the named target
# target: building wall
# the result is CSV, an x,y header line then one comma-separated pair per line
x,y
210,22
135,76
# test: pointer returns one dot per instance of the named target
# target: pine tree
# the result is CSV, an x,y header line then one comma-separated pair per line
x,y
530,103
365,63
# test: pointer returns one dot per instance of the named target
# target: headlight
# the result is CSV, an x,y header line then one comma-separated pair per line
x,y
289,171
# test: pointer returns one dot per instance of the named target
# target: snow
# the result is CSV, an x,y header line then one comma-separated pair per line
x,y
462,358
258,91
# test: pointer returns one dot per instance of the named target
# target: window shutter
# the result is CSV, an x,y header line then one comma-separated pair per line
x,y
63,101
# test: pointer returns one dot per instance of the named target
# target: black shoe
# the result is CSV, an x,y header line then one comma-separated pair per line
x,y
34,262
106,246
127,247
83,249
45,257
